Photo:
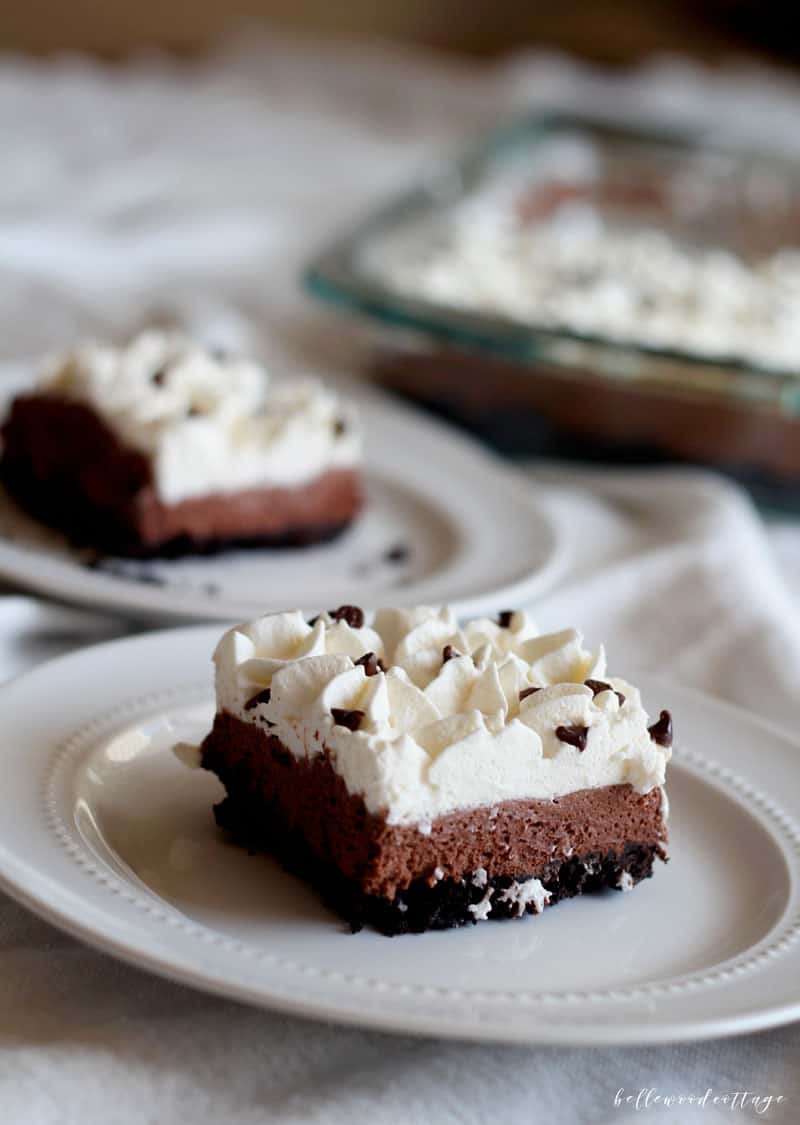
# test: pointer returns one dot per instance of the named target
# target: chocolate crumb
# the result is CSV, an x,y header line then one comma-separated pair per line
x,y
504,618
260,697
313,620
371,664
528,691
349,719
661,731
194,411
146,578
352,614
159,377
339,427
600,685
115,568
449,653
573,736
399,553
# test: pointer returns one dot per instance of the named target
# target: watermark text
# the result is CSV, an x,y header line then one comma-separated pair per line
x,y
736,1100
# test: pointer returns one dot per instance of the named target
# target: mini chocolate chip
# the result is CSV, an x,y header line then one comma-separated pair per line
x,y
597,686
449,653
661,731
194,411
339,427
504,618
158,378
352,614
573,736
528,691
262,697
371,664
349,719
399,553
600,685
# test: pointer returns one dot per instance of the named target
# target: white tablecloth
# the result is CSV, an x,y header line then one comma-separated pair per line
x,y
193,192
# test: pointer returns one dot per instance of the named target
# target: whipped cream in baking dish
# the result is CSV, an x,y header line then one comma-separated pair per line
x,y
573,272
209,422
422,716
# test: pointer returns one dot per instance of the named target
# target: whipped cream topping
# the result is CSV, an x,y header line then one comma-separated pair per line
x,y
447,720
208,422
575,271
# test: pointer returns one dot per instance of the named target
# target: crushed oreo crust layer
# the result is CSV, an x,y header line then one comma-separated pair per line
x,y
422,906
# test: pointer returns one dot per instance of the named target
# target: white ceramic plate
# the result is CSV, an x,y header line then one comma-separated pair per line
x,y
445,521
105,834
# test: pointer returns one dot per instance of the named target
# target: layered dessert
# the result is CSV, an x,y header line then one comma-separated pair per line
x,y
424,774
165,447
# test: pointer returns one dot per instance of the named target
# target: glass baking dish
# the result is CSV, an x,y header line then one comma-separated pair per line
x,y
653,270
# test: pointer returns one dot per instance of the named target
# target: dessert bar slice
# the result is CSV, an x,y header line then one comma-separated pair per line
x,y
423,774
164,447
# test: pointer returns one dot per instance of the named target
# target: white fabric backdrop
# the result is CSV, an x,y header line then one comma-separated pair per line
x,y
194,192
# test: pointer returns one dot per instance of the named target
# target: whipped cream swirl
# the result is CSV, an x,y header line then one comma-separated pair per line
x,y
447,719
210,423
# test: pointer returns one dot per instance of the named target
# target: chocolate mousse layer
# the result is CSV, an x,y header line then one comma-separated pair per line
x,y
67,468
401,879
